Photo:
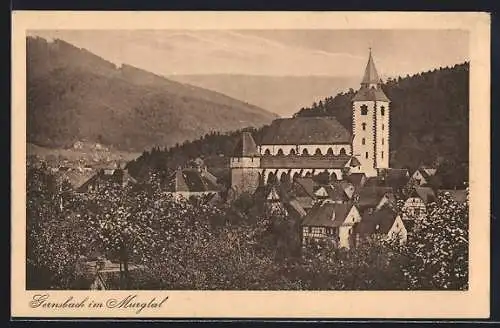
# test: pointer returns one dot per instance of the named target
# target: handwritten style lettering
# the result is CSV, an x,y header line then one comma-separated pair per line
x,y
131,302
42,300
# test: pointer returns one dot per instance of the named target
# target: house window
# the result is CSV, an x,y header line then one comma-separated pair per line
x,y
382,110
363,141
364,110
364,126
366,155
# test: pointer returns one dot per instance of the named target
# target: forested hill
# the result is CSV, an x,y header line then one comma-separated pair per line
x,y
429,125
74,95
429,116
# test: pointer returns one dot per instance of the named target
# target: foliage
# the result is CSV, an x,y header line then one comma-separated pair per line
x,y
192,244
437,252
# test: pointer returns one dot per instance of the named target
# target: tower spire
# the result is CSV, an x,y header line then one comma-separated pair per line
x,y
371,76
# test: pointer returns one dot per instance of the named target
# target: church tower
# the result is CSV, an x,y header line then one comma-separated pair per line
x,y
245,165
370,123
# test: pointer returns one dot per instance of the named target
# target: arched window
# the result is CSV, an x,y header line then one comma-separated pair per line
x,y
364,110
292,151
280,152
364,126
271,178
363,141
329,151
333,176
305,152
284,177
296,175
342,150
317,152
382,110
267,152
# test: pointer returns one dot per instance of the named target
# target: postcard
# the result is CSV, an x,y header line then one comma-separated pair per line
x,y
250,165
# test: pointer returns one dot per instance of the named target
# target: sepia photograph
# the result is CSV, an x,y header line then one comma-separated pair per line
x,y
247,159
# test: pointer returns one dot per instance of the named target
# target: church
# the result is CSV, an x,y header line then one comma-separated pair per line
x,y
308,146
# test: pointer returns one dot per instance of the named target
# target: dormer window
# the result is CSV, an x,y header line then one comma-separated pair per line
x,y
364,110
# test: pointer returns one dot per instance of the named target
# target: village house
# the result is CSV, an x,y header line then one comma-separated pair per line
x,y
384,223
188,182
371,199
102,274
415,206
108,175
331,222
422,176
334,192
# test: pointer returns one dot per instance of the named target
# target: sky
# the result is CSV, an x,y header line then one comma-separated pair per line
x,y
273,52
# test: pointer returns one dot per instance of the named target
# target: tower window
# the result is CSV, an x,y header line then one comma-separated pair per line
x,y
382,110
382,154
382,141
363,141
383,127
364,110
364,126
366,155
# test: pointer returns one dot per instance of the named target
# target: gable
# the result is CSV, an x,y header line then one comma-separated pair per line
x,y
321,192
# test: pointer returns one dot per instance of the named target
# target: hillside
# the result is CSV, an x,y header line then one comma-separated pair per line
x,y
429,116
74,95
429,125
283,95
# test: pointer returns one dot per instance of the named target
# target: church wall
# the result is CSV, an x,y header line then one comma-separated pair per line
x,y
382,135
311,149
363,141
245,174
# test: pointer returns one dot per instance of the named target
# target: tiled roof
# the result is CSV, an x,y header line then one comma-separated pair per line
x,y
303,162
246,146
193,180
306,130
380,221
370,94
327,214
425,193
371,74
371,196
304,187
356,178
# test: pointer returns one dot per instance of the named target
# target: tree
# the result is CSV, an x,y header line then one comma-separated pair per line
x,y
437,253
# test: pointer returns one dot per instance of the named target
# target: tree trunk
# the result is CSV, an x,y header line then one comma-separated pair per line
x,y
124,259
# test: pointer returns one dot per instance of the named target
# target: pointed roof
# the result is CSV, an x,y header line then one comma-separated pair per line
x,y
371,75
246,146
367,93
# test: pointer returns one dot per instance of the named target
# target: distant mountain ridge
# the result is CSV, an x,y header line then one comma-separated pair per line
x,y
284,95
73,95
